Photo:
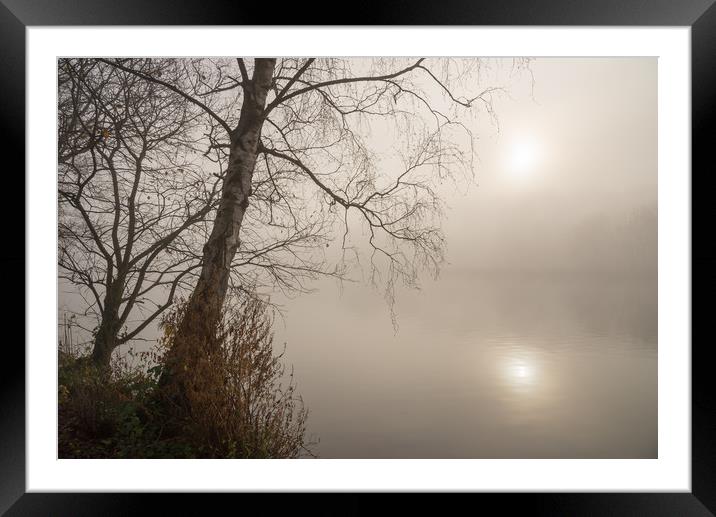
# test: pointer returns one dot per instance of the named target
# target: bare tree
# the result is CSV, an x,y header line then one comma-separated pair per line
x,y
296,139
138,178
128,192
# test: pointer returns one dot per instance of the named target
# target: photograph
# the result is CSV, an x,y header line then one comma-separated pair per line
x,y
357,257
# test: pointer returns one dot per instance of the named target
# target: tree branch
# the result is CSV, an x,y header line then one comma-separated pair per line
x,y
173,88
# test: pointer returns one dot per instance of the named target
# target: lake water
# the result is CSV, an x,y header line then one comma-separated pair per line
x,y
483,365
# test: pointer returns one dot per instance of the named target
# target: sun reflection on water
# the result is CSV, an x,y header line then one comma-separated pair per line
x,y
521,373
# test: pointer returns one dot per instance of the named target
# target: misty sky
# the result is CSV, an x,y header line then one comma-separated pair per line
x,y
586,150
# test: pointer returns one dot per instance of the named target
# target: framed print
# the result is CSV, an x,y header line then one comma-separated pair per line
x,y
543,171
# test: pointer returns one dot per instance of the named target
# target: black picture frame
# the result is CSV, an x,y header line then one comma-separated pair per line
x,y
700,15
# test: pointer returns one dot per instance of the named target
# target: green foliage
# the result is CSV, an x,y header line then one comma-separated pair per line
x,y
111,416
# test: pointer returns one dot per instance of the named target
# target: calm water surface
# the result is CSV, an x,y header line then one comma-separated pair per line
x,y
482,366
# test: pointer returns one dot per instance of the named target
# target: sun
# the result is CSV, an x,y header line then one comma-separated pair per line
x,y
521,158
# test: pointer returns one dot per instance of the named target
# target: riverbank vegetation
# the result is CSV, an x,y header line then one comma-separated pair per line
x,y
239,402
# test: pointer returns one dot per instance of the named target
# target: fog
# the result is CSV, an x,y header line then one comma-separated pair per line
x,y
538,338
587,199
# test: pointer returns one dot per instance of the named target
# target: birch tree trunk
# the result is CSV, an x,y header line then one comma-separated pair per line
x,y
203,309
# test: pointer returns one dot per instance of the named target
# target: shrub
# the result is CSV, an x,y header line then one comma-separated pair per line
x,y
112,416
239,401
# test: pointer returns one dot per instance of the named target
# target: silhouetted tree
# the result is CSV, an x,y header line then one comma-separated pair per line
x,y
297,139
128,193
135,189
